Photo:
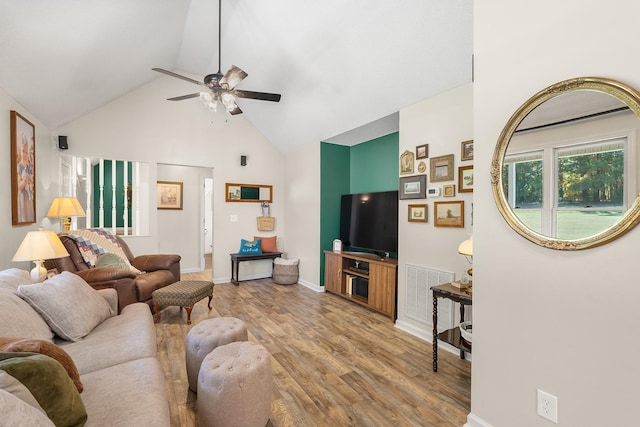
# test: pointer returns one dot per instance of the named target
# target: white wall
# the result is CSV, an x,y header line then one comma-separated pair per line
x,y
563,322
302,213
443,122
143,126
46,187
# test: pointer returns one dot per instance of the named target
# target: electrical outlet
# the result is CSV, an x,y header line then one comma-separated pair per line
x,y
548,406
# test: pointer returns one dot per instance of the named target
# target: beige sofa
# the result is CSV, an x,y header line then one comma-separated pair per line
x,y
117,360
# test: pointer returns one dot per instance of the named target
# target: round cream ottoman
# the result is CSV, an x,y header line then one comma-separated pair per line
x,y
203,338
235,386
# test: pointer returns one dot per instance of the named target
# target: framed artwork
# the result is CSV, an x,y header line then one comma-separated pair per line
x,y
442,168
406,163
449,190
23,170
413,187
417,213
422,167
465,179
449,214
422,151
467,150
169,195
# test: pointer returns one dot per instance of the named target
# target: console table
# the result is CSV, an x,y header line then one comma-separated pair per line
x,y
236,259
451,336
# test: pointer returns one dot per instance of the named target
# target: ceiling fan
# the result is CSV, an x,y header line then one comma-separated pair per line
x,y
219,87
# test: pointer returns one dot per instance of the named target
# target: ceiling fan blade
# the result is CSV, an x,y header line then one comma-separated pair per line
x,y
172,74
263,96
232,77
180,98
235,110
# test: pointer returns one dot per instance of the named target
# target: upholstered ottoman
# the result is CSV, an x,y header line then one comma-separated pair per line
x,y
235,386
185,293
206,336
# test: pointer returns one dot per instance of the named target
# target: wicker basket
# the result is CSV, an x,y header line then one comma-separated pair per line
x,y
266,223
285,274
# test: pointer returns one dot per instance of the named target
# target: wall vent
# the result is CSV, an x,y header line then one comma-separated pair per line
x,y
419,304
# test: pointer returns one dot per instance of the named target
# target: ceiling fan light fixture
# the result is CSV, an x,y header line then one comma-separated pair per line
x,y
206,97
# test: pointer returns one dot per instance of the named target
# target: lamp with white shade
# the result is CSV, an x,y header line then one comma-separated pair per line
x,y
466,249
64,208
38,246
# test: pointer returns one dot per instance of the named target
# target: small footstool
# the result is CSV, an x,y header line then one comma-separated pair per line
x,y
205,337
185,293
235,386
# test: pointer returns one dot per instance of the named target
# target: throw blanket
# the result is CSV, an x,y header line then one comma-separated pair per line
x,y
93,242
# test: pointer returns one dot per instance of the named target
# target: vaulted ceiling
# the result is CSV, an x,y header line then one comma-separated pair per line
x,y
339,64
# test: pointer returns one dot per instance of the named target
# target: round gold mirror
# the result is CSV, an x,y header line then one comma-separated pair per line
x,y
563,171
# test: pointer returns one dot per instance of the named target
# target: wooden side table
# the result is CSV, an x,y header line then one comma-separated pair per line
x,y
451,336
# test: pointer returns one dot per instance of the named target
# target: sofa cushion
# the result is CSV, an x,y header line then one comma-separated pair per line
x,y
267,244
130,335
39,378
18,319
148,282
140,399
16,345
11,278
68,304
18,413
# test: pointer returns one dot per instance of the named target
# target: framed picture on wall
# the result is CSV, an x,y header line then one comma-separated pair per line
x,y
467,150
465,179
417,213
441,168
406,163
23,170
422,151
449,214
413,187
169,195
449,190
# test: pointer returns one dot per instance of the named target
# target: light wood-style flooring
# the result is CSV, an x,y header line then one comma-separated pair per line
x,y
334,363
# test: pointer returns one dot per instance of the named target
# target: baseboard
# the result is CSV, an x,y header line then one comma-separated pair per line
x,y
311,286
428,336
190,270
475,421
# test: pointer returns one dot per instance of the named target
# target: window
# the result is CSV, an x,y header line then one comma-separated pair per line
x,y
588,187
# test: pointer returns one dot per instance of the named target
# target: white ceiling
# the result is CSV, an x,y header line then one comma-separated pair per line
x,y
339,64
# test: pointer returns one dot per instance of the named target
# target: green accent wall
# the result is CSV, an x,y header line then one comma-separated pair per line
x,y
366,167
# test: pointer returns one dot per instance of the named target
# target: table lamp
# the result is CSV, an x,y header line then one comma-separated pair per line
x,y
38,246
466,249
64,208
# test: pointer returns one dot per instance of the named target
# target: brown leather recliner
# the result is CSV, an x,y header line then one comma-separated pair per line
x,y
159,271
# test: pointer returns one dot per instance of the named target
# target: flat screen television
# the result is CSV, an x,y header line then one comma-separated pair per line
x,y
370,221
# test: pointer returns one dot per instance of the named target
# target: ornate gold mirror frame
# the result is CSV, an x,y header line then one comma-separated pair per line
x,y
629,219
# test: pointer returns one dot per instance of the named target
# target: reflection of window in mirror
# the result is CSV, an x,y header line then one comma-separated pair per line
x,y
587,187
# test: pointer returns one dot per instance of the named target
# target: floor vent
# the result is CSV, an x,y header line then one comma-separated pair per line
x,y
419,298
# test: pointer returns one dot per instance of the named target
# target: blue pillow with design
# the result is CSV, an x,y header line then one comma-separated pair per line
x,y
250,247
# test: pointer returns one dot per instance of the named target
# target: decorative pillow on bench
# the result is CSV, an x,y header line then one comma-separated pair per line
x,y
267,244
250,247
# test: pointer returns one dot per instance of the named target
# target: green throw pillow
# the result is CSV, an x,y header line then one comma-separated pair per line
x,y
47,382
112,260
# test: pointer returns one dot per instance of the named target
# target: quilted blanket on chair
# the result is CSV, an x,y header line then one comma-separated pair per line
x,y
93,242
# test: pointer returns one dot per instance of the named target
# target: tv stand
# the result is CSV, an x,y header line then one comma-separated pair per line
x,y
363,278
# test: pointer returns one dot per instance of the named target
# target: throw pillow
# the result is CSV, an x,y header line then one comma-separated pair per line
x,y
19,319
112,260
250,247
11,278
17,345
267,244
40,379
68,304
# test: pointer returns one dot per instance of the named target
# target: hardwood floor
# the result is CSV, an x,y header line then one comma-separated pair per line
x,y
334,363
